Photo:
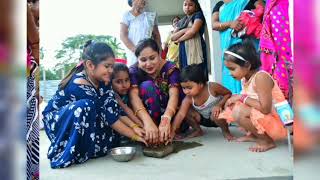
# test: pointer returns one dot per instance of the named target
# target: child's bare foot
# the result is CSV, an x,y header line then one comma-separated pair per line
x,y
195,133
247,138
179,137
191,133
228,136
262,146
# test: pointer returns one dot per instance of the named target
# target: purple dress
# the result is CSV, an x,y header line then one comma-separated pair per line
x,y
154,93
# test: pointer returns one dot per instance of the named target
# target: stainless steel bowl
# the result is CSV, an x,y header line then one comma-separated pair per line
x,y
123,154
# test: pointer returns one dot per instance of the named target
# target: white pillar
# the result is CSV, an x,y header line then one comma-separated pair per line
x,y
212,41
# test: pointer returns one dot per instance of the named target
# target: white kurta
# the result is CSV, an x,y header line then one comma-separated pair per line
x,y
139,27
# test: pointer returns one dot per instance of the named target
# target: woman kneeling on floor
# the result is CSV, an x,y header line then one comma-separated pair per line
x,y
81,117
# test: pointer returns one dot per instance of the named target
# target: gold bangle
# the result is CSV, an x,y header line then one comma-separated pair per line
x,y
135,113
135,138
135,126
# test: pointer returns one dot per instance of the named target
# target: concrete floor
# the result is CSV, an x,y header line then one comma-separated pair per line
x,y
216,159
306,166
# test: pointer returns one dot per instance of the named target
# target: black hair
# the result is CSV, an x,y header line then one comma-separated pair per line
x,y
87,43
194,73
198,7
246,50
32,1
175,17
95,52
130,3
85,48
146,43
119,67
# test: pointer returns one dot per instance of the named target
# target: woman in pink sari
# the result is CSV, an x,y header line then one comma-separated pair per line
x,y
275,45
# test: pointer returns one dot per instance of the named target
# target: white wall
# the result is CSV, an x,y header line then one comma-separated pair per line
x,y
214,55
164,31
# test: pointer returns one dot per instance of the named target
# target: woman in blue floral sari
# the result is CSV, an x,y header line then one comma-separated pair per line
x,y
224,20
81,117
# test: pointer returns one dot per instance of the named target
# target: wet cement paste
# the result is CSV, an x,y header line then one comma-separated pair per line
x,y
163,151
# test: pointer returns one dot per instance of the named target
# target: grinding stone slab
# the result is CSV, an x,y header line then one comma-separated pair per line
x,y
158,152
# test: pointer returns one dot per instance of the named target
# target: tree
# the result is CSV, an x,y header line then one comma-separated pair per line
x,y
72,47
50,75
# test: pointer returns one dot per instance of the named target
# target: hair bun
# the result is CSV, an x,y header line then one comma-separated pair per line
x,y
88,43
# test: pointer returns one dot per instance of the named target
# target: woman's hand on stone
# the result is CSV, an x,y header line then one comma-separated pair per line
x,y
152,133
139,131
165,130
141,139
172,134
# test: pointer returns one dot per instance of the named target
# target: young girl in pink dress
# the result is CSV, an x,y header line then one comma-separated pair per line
x,y
254,109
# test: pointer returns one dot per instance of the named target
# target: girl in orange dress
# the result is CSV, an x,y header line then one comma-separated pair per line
x,y
254,108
